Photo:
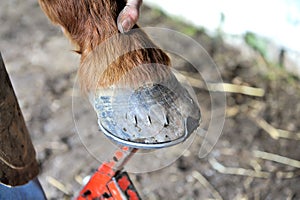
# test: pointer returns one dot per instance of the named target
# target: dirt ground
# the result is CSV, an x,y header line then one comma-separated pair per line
x,y
256,157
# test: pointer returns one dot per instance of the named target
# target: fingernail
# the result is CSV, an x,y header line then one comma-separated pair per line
x,y
126,25
120,27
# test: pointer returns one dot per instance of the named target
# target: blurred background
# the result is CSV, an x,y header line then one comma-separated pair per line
x,y
255,47
275,24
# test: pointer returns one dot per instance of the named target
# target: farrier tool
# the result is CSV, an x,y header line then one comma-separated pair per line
x,y
149,117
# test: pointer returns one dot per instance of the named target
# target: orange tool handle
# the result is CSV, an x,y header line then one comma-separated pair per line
x,y
103,184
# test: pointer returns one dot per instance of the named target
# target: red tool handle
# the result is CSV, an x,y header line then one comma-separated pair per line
x,y
105,184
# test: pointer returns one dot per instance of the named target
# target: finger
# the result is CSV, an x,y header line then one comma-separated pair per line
x,y
129,15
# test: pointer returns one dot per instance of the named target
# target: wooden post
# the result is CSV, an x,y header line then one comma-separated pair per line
x,y
18,164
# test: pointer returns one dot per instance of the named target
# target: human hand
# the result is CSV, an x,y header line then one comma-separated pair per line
x,y
129,15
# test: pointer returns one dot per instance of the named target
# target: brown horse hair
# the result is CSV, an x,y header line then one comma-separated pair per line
x,y
106,57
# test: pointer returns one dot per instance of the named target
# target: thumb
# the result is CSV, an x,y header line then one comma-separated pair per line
x,y
129,15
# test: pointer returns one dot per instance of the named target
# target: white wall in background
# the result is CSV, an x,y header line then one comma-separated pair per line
x,y
278,20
